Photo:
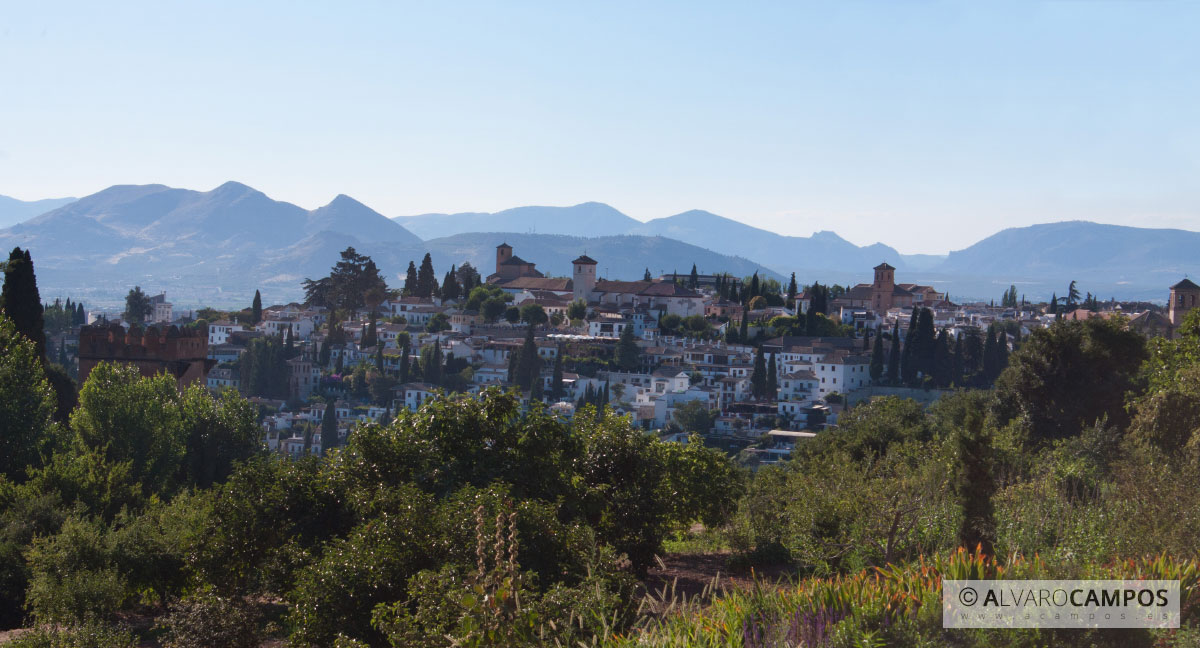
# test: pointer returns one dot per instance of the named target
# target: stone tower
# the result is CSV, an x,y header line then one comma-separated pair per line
x,y
503,253
883,288
1185,296
583,277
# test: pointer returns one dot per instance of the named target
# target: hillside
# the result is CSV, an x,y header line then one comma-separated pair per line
x,y
212,246
586,219
13,211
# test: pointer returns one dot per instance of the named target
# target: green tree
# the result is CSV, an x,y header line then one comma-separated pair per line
x,y
772,387
450,287
533,314
27,404
529,363
1066,377
577,310
758,378
438,323
256,308
426,280
893,366
410,280
468,278
877,361
329,426
137,306
694,278
976,486
694,417
21,301
628,354
646,276
512,314
557,391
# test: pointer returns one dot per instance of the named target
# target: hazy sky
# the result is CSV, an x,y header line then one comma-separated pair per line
x,y
923,125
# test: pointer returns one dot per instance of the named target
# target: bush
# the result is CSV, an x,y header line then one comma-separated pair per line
x,y
204,619
89,635
73,576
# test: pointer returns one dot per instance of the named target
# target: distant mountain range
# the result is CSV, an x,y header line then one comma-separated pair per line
x,y
216,247
13,211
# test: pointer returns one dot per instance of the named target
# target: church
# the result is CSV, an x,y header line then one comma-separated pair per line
x,y
885,294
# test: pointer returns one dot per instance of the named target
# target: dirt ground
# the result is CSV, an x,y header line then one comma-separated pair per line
x,y
693,574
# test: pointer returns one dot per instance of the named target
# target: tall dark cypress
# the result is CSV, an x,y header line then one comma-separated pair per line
x,y
957,365
694,278
256,308
791,292
758,379
976,486
556,383
426,281
410,279
942,361
989,356
925,347
329,430
877,357
20,300
772,379
404,364
893,366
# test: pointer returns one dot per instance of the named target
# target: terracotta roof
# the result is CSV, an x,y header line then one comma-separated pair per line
x,y
537,283
883,266
585,260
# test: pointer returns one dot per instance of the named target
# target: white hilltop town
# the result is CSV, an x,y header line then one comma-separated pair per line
x,y
748,364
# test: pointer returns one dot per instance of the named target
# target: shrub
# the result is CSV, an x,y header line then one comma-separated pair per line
x,y
88,635
205,619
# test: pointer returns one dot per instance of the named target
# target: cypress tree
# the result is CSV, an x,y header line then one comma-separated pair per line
x,y
628,355
426,281
758,379
791,292
1001,352
744,328
329,430
529,367
956,372
20,301
772,379
410,280
976,486
379,359
989,356
646,276
556,383
942,361
404,362
256,308
449,285
754,287
694,278
925,342
893,366
323,354
877,357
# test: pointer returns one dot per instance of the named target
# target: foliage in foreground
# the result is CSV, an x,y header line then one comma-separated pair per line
x,y
898,605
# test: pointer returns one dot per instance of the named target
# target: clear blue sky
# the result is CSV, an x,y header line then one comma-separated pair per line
x,y
922,125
